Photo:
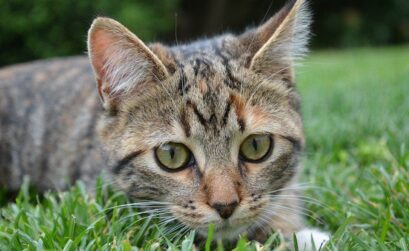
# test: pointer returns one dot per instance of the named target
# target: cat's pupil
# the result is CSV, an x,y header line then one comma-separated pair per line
x,y
172,153
255,145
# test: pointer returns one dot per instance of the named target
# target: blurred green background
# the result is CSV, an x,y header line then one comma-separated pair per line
x,y
48,28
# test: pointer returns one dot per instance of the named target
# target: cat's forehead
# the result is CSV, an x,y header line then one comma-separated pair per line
x,y
207,78
217,48
209,68
208,58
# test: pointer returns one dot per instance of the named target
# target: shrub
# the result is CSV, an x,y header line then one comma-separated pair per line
x,y
46,28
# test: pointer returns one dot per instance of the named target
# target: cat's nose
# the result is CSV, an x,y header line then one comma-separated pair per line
x,y
225,210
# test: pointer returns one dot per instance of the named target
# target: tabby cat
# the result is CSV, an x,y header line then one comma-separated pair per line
x,y
212,128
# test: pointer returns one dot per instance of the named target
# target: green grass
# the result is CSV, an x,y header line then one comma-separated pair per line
x,y
356,112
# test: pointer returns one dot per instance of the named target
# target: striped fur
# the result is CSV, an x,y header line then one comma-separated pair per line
x,y
209,95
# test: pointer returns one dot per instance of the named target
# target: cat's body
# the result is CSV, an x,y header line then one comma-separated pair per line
x,y
214,104
48,126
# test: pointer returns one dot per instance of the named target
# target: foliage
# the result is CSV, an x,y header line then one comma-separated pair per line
x,y
356,172
46,28
336,23
349,23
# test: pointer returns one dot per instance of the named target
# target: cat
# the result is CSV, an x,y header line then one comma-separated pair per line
x,y
213,128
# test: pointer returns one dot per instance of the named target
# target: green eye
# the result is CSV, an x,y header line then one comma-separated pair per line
x,y
256,147
173,156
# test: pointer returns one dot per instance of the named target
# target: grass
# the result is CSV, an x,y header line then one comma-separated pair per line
x,y
356,113
357,125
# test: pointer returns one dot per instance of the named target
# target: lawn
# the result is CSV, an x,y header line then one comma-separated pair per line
x,y
356,171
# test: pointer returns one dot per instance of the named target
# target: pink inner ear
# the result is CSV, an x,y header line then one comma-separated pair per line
x,y
101,41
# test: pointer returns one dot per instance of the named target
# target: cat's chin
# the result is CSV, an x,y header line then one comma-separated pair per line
x,y
226,230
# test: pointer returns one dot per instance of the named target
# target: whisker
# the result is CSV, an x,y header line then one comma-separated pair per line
x,y
305,199
138,214
295,211
174,228
132,224
141,205
275,214
167,221
298,187
261,221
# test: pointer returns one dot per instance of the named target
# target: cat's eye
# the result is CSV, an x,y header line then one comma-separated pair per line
x,y
256,148
173,156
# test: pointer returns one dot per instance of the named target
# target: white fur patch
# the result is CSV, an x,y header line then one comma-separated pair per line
x,y
307,236
125,67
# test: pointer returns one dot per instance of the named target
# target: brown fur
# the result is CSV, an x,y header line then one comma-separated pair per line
x,y
209,95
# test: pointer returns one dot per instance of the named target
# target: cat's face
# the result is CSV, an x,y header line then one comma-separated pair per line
x,y
212,128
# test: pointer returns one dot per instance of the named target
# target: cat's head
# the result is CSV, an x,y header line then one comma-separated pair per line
x,y
211,128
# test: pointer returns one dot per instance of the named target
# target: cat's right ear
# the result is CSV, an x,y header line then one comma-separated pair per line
x,y
275,46
121,61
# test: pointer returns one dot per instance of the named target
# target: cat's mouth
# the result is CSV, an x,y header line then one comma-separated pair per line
x,y
242,221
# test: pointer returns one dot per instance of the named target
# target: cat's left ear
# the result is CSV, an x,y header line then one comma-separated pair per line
x,y
277,44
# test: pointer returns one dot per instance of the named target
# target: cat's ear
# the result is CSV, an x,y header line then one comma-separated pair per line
x,y
121,61
277,44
